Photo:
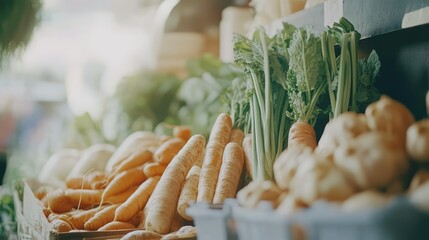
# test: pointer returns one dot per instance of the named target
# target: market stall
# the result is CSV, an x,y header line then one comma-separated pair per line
x,y
314,125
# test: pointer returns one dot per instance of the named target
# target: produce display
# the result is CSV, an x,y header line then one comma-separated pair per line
x,y
148,182
367,164
262,147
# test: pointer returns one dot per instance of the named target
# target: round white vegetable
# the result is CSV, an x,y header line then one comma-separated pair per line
x,y
58,166
93,158
418,140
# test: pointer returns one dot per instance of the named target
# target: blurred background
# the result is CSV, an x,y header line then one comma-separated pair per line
x,y
74,73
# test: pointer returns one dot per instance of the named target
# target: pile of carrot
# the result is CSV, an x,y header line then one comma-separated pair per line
x,y
150,188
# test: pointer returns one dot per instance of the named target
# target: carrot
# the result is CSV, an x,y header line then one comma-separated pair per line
x,y
189,192
142,234
46,211
164,138
115,225
101,218
137,201
182,132
83,197
176,224
302,133
136,220
78,220
247,150
236,136
59,225
93,180
123,181
163,201
229,176
136,140
219,137
58,202
121,197
134,160
154,169
165,153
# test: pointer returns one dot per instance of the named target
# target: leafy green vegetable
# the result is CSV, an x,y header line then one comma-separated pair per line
x,y
205,94
265,93
8,225
350,82
305,77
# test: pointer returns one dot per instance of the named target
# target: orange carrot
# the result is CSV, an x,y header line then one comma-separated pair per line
x,y
101,218
154,169
123,181
247,150
165,153
83,197
219,137
137,201
236,136
115,225
176,224
229,176
93,180
78,220
122,196
134,160
302,133
182,132
189,192
163,201
58,202
59,225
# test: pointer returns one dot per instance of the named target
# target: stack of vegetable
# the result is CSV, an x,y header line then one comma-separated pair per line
x,y
149,181
290,77
362,162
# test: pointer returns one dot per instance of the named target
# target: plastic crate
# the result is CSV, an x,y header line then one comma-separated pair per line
x,y
400,220
261,223
214,222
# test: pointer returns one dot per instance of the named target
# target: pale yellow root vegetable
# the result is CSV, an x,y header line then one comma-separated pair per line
x,y
142,235
165,153
247,150
189,192
59,225
137,201
136,140
419,179
236,136
182,132
229,176
154,169
176,224
364,201
77,221
136,159
124,180
121,197
184,232
115,225
136,220
418,141
164,199
46,211
302,133
219,137
101,218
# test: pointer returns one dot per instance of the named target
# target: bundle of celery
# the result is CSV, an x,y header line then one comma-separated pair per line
x,y
288,77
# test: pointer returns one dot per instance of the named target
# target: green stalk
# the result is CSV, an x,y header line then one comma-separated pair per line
x,y
269,133
280,130
258,142
354,59
331,46
258,91
325,54
347,85
255,166
342,75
